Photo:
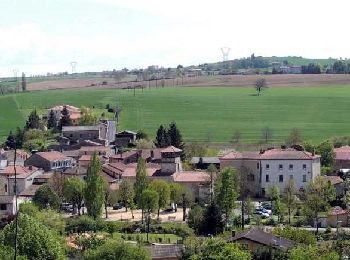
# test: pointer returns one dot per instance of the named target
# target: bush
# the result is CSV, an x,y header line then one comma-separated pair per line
x,y
115,226
297,235
117,250
84,224
179,229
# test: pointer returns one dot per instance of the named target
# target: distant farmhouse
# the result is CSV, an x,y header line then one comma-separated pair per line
x,y
74,113
102,133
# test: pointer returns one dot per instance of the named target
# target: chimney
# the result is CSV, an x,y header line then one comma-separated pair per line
x,y
152,154
313,152
30,167
200,160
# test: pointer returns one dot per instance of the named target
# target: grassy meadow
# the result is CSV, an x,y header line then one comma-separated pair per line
x,y
203,114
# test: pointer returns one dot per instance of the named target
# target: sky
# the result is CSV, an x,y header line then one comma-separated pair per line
x,y
40,36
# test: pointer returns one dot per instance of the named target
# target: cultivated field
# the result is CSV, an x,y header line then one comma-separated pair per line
x,y
301,80
204,114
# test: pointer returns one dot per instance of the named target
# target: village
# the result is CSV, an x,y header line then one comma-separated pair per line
x,y
263,189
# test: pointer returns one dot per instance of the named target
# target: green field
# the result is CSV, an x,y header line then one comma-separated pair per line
x,y
204,114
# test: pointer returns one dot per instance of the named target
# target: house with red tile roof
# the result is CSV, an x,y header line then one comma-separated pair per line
x,y
168,168
49,161
338,184
342,158
255,239
337,217
25,177
74,112
273,167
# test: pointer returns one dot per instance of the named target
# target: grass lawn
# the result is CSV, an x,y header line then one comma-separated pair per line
x,y
204,114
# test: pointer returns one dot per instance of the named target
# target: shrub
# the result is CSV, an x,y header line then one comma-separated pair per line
x,y
117,250
84,224
115,226
297,235
179,229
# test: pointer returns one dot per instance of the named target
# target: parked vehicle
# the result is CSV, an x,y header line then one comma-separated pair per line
x,y
169,210
117,206
66,207
266,205
262,212
268,211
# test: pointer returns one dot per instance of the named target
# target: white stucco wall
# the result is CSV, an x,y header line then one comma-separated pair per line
x,y
296,173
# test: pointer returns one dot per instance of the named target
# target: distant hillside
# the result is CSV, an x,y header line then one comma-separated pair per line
x,y
260,62
299,61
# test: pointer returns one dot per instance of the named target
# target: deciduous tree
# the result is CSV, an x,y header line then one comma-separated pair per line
x,y
294,137
260,85
290,198
175,193
141,182
217,248
34,239
266,134
74,191
88,117
149,203
24,82
326,150
163,190
126,193
45,197
94,192
318,194
226,191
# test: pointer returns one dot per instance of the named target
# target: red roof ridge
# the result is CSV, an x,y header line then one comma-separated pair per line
x,y
171,149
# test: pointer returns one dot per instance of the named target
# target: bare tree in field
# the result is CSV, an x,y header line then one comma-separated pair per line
x,y
266,134
260,84
236,136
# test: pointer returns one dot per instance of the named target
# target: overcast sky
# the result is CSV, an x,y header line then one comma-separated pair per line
x,y
37,36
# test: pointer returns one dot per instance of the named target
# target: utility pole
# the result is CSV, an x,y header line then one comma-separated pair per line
x,y
16,203
183,207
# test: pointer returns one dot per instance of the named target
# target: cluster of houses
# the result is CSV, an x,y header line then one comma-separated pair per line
x,y
71,157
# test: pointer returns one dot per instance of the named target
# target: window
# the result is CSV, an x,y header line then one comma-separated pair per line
x,y
304,167
290,167
3,207
280,178
257,165
291,177
304,178
267,166
14,189
280,167
5,187
267,178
